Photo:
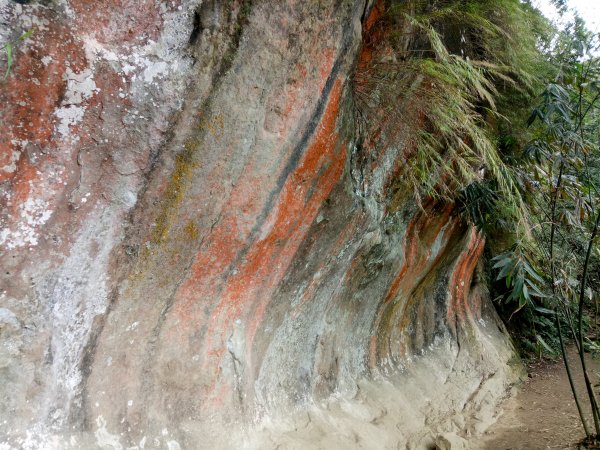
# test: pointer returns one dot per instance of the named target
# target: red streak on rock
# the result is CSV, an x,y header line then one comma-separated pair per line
x,y
30,96
418,241
269,258
460,281
31,93
246,292
372,37
420,237
371,33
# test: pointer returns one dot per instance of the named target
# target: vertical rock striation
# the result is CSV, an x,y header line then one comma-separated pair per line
x,y
196,254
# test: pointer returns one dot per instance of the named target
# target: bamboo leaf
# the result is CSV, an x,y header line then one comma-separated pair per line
x,y
9,58
545,311
544,344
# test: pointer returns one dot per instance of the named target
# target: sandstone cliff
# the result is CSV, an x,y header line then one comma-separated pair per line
x,y
196,253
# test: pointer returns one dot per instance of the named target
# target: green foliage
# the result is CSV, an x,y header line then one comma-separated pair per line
x,y
8,49
457,78
478,203
452,86
448,65
558,168
523,281
560,178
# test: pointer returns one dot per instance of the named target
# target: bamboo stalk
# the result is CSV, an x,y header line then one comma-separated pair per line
x,y
588,384
570,376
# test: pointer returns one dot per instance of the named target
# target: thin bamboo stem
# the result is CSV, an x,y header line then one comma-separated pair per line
x,y
588,384
570,376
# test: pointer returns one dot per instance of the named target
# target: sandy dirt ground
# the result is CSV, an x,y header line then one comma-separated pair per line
x,y
543,414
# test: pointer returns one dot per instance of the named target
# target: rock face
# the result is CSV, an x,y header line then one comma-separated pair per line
x,y
196,254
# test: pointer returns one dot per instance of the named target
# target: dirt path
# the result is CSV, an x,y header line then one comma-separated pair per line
x,y
543,415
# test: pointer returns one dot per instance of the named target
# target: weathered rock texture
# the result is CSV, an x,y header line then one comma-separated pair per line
x,y
195,253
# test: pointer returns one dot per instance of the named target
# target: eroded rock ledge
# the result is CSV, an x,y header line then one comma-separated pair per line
x,y
196,254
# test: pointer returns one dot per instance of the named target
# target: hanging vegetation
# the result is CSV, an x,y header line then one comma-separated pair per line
x,y
496,111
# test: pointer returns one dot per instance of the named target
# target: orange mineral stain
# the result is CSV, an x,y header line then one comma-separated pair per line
x,y
268,259
460,281
422,234
243,292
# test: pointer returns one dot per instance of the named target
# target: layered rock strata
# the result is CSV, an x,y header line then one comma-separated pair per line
x,y
196,253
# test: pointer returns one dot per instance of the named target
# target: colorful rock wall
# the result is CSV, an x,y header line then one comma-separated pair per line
x,y
195,252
